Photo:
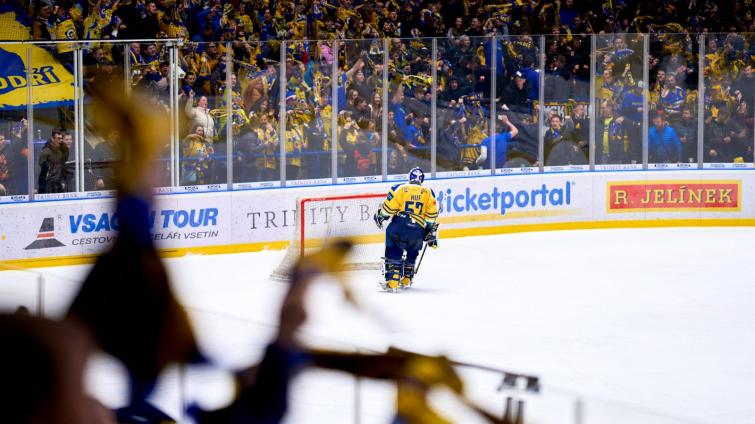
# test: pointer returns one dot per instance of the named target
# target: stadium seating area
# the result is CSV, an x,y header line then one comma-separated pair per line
x,y
484,54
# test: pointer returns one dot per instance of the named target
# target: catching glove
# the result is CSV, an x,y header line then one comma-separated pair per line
x,y
378,218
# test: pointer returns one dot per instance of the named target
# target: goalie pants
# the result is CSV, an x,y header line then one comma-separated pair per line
x,y
403,235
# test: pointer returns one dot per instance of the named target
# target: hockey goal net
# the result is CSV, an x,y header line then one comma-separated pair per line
x,y
319,219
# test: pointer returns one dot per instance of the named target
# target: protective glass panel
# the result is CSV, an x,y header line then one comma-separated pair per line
x,y
202,150
317,160
672,120
728,139
14,127
618,130
256,146
101,152
359,111
54,118
305,164
518,93
409,114
151,77
566,136
463,107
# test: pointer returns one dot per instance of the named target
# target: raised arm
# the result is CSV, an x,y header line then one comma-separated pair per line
x,y
189,108
514,130
357,66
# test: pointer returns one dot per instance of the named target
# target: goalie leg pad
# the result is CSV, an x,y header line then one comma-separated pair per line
x,y
392,272
393,265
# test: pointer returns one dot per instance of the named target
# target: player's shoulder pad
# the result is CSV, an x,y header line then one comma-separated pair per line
x,y
392,191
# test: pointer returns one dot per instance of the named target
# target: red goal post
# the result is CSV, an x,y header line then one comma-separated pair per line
x,y
322,218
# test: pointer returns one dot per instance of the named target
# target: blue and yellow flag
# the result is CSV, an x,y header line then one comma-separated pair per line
x,y
52,84
15,24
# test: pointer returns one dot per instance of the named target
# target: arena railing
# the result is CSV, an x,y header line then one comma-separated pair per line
x,y
581,103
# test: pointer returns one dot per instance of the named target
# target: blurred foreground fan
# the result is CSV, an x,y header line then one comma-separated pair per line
x,y
142,413
126,300
42,364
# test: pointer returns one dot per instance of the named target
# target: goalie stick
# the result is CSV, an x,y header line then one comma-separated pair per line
x,y
433,230
416,270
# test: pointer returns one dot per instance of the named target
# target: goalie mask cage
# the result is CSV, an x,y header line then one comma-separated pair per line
x,y
319,219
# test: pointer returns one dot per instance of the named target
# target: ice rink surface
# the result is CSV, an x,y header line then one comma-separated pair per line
x,y
642,325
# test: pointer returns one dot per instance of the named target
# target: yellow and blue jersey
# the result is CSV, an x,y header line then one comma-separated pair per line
x,y
475,136
65,29
295,144
412,200
269,140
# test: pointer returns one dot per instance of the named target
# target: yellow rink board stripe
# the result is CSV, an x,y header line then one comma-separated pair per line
x,y
449,233
509,215
165,253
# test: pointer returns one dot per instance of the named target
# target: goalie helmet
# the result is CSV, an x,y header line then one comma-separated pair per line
x,y
416,176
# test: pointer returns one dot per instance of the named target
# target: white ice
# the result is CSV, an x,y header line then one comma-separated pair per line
x,y
648,326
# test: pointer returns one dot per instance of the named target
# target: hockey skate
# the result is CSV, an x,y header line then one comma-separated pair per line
x,y
407,276
391,286
406,283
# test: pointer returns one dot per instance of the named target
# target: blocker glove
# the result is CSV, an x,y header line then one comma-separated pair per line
x,y
431,235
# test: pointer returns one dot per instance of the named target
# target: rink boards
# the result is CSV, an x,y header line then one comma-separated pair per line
x,y
73,231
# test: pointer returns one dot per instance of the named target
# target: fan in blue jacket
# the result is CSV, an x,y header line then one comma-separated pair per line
x,y
664,145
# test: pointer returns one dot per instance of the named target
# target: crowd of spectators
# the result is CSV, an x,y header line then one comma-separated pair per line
x,y
471,68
